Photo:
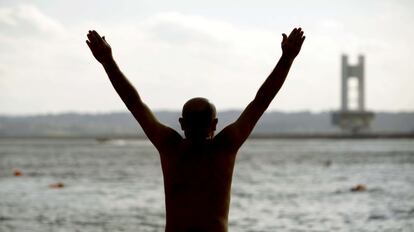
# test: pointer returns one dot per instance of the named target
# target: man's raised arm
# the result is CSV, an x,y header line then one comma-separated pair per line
x,y
156,131
237,132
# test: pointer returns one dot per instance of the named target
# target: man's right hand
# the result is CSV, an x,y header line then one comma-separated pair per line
x,y
292,44
101,50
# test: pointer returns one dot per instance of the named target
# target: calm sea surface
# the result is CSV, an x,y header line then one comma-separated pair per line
x,y
278,185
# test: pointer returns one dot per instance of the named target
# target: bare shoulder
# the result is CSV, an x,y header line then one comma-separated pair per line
x,y
170,141
227,140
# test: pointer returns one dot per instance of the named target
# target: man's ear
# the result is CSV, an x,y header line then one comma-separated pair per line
x,y
214,124
182,123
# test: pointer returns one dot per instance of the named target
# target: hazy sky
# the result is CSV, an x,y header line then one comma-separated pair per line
x,y
223,50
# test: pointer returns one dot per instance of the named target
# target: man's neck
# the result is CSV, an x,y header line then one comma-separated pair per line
x,y
199,141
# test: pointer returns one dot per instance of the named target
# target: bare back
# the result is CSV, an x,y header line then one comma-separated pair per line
x,y
197,183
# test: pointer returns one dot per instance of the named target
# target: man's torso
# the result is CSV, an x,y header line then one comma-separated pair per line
x,y
197,184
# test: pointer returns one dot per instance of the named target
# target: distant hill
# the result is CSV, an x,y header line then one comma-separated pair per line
x,y
123,124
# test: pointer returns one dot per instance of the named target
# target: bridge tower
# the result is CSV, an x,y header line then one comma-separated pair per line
x,y
352,117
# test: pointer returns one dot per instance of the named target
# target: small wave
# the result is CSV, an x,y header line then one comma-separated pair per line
x,y
3,218
118,142
377,217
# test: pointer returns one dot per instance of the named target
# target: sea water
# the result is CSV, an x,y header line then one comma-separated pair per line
x,y
278,185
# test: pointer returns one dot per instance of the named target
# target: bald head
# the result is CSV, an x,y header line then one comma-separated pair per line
x,y
198,118
199,108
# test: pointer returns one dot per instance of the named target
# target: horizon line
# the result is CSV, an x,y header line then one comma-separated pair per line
x,y
177,110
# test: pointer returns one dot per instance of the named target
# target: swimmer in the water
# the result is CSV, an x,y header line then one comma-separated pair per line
x,y
197,169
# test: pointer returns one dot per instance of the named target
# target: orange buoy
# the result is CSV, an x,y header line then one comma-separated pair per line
x,y
17,172
57,185
359,188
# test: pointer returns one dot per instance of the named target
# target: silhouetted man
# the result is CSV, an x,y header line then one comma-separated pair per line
x,y
197,169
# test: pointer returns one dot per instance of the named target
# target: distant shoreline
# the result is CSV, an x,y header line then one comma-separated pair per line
x,y
272,125
254,136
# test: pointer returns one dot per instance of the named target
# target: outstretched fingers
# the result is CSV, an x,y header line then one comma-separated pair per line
x,y
97,36
292,33
297,36
89,44
94,38
303,39
300,34
91,37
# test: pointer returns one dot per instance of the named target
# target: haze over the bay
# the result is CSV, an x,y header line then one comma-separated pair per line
x,y
174,50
